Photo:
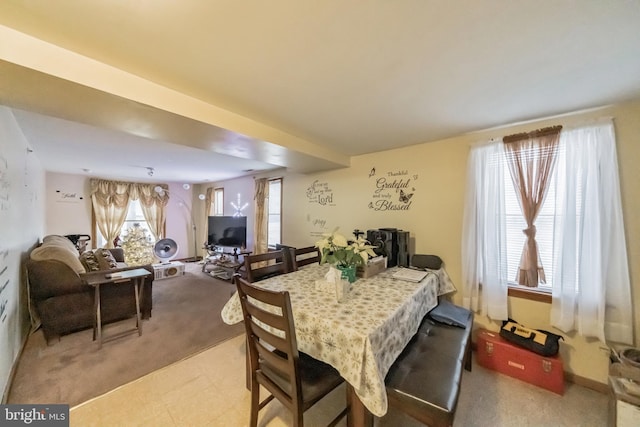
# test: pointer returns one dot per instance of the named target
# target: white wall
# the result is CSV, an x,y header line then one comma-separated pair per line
x,y
243,187
21,225
179,220
68,205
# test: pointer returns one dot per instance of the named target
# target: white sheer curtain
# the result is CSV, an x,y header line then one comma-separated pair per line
x,y
591,290
484,255
591,286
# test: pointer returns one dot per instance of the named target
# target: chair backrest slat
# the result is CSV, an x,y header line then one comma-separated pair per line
x,y
275,361
272,319
307,255
270,338
262,266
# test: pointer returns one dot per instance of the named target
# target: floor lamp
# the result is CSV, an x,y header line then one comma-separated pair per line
x,y
158,189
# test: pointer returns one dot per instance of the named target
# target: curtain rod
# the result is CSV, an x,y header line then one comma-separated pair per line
x,y
566,127
546,131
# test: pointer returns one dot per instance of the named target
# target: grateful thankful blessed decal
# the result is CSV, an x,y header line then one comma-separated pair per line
x,y
393,190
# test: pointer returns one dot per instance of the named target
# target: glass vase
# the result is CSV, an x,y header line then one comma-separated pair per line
x,y
348,273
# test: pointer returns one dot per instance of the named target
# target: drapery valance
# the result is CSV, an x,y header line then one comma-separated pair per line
x,y
111,200
119,193
551,131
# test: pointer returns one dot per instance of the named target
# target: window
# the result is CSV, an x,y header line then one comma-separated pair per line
x,y
580,229
218,202
134,216
274,228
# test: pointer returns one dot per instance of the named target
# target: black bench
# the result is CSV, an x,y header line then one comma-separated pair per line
x,y
424,382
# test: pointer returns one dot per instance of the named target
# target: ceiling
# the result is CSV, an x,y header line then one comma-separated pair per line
x,y
311,82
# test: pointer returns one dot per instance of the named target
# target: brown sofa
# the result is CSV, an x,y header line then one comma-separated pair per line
x,y
62,303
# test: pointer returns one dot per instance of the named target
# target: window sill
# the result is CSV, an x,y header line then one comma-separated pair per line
x,y
530,294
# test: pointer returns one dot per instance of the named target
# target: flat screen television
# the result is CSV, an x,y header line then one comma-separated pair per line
x,y
227,231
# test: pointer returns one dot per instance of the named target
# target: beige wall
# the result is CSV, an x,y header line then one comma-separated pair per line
x,y
437,172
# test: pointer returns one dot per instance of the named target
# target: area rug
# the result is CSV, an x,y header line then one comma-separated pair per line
x,y
185,320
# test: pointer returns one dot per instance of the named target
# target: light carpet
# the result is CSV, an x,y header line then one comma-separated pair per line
x,y
185,320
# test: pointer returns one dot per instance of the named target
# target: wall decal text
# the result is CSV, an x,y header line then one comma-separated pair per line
x,y
320,193
393,190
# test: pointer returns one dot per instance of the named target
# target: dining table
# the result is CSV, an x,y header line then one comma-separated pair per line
x,y
360,336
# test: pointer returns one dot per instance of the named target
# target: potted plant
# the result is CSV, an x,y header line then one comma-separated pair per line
x,y
344,255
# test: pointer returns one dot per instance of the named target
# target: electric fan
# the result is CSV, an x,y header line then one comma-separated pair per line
x,y
165,250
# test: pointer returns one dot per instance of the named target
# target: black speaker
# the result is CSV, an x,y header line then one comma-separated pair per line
x,y
382,241
403,248
392,243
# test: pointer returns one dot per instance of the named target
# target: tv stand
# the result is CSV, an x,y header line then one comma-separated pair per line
x,y
225,259
234,251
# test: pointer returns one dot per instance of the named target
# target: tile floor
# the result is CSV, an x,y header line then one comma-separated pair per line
x,y
207,389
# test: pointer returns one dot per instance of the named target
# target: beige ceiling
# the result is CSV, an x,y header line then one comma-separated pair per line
x,y
306,84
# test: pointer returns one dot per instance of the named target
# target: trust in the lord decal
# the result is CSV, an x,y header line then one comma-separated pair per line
x,y
393,190
320,193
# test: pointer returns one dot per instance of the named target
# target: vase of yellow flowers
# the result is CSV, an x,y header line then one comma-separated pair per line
x,y
346,256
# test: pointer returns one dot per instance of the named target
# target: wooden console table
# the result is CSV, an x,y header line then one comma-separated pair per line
x,y
95,280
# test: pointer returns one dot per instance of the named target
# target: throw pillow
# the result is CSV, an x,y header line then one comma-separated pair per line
x,y
90,261
106,259
54,239
58,253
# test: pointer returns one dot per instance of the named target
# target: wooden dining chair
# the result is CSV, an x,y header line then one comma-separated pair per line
x,y
305,256
261,266
289,255
296,379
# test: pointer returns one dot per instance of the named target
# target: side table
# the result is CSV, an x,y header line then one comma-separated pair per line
x,y
95,280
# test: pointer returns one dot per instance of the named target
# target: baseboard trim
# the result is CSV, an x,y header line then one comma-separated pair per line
x,y
573,378
14,368
586,382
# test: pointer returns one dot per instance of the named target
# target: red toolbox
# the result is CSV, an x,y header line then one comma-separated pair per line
x,y
496,353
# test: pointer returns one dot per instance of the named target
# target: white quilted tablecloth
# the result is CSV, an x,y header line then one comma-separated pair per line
x,y
360,337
